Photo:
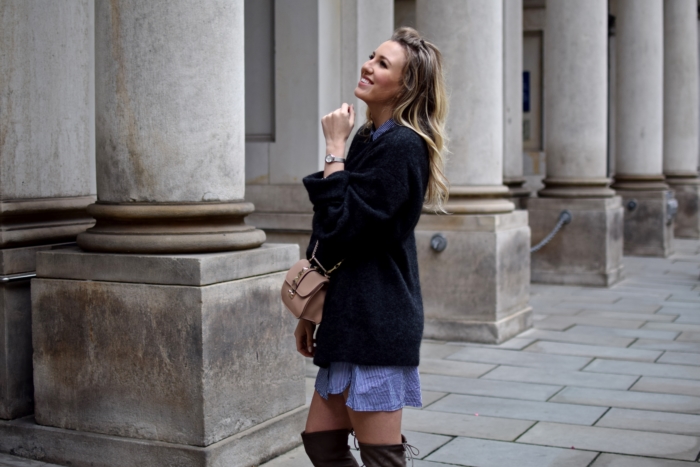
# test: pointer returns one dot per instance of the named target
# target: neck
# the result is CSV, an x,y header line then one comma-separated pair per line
x,y
380,115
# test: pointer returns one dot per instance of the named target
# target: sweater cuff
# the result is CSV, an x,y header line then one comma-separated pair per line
x,y
327,190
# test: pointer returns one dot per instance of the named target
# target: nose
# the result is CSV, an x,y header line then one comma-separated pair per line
x,y
366,68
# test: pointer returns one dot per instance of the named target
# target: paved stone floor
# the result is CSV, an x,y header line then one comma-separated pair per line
x,y
607,378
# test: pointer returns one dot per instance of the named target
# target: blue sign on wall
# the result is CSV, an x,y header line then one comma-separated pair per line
x,y
526,91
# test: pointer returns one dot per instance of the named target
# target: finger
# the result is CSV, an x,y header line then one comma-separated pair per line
x,y
352,116
344,108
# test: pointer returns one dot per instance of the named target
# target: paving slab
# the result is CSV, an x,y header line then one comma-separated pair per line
x,y
513,358
559,323
453,368
675,346
578,338
14,461
582,350
516,343
294,458
688,319
485,453
649,420
633,333
519,409
686,387
682,358
436,351
629,399
688,336
613,440
663,318
442,423
426,443
562,378
632,308
484,387
664,370
673,327
431,396
615,460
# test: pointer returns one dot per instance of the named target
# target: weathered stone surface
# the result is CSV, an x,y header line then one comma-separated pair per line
x,y
687,387
268,439
688,218
613,440
478,288
180,364
16,388
452,368
184,269
664,370
510,357
646,229
588,251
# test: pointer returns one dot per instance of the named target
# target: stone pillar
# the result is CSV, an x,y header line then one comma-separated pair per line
x,y
321,45
185,357
513,101
588,251
46,163
681,112
478,288
639,179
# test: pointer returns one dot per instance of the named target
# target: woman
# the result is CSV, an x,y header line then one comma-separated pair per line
x,y
365,211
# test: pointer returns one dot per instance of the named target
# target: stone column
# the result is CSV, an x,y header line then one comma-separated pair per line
x,y
588,251
320,46
639,179
681,112
185,357
46,163
513,100
478,288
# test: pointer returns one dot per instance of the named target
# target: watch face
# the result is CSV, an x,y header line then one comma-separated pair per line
x,y
329,158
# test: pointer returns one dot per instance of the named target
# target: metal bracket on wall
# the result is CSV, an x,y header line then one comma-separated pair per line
x,y
565,217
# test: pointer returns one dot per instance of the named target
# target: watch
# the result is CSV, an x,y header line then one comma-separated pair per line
x,y
330,158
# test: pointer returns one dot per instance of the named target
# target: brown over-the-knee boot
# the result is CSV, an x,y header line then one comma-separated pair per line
x,y
387,455
329,448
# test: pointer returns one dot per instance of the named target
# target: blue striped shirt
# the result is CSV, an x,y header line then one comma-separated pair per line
x,y
372,388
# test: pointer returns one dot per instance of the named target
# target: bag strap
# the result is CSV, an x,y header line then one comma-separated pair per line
x,y
313,258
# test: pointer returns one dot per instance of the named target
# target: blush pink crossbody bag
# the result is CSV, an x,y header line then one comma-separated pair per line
x,y
304,288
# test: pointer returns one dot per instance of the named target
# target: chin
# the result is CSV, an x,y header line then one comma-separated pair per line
x,y
360,94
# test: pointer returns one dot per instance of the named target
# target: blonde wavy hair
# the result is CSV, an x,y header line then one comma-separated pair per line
x,y
422,106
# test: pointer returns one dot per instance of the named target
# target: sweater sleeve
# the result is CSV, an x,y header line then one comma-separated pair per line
x,y
353,207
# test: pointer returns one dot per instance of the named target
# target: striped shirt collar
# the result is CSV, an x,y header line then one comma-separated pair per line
x,y
386,126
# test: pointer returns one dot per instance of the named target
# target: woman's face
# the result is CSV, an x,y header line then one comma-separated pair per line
x,y
380,76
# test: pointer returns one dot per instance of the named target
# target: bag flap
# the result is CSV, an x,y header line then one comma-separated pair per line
x,y
309,281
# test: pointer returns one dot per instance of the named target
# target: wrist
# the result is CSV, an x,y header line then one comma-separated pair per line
x,y
337,149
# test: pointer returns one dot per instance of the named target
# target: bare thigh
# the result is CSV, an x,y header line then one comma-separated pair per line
x,y
376,427
370,427
331,414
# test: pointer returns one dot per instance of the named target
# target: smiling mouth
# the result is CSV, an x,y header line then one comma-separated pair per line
x,y
364,80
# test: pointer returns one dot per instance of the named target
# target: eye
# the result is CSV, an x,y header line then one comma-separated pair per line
x,y
382,64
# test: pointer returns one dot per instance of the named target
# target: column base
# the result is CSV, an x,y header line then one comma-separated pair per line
x,y
648,230
182,349
16,383
25,438
162,228
687,192
478,289
517,192
588,251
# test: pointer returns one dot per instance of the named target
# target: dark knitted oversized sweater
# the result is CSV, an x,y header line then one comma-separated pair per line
x,y
365,215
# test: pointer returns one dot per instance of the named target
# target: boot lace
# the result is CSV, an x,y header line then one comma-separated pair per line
x,y
410,450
